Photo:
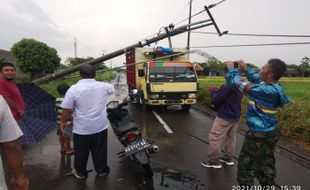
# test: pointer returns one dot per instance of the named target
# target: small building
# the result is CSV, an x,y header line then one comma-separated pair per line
x,y
7,56
198,69
291,73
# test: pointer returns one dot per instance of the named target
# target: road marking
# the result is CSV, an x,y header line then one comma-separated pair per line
x,y
162,122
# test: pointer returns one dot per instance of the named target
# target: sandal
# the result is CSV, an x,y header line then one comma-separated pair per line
x,y
71,151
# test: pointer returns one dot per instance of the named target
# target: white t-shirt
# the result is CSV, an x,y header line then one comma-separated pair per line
x,y
88,100
9,131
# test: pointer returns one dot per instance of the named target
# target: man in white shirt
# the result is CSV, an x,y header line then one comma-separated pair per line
x,y
87,100
11,149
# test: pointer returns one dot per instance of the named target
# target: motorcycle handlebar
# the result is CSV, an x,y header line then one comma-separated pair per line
x,y
119,106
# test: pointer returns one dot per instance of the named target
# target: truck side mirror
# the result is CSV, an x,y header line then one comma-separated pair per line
x,y
141,73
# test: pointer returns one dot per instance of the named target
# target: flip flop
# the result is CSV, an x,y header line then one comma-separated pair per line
x,y
62,151
70,152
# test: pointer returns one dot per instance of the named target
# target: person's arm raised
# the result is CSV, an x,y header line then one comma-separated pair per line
x,y
234,78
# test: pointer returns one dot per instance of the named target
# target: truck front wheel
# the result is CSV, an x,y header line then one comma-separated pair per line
x,y
142,102
186,107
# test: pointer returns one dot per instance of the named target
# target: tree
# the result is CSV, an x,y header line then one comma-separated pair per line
x,y
71,61
2,60
215,65
61,67
304,65
35,58
203,65
293,70
292,66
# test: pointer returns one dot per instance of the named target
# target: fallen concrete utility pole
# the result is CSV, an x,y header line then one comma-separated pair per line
x,y
172,32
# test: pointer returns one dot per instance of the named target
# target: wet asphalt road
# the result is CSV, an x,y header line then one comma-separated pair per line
x,y
176,165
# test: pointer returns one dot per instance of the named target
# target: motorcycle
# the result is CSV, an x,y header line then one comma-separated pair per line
x,y
134,147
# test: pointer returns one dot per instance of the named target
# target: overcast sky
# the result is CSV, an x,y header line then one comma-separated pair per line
x,y
102,26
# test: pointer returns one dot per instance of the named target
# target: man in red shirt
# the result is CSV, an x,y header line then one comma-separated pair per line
x,y
9,90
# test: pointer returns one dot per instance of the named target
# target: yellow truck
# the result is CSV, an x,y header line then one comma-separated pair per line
x,y
165,77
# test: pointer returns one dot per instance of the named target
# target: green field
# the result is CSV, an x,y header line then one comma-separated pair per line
x,y
296,88
294,119
51,86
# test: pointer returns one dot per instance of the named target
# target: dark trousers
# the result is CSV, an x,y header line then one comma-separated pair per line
x,y
256,159
94,143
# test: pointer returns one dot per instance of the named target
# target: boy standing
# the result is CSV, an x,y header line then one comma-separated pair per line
x,y
64,138
265,95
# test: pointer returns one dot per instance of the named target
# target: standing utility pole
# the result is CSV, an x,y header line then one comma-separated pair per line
x,y
189,23
75,48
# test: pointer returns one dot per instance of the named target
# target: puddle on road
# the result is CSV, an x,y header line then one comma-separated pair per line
x,y
170,179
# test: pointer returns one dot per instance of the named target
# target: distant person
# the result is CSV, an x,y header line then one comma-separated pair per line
x,y
265,95
227,102
65,137
11,149
88,100
9,90
118,79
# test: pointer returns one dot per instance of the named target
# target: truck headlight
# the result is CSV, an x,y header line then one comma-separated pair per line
x,y
192,95
154,96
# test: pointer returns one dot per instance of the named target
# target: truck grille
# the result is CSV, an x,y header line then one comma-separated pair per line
x,y
173,96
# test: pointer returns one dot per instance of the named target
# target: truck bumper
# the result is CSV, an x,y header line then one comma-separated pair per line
x,y
172,102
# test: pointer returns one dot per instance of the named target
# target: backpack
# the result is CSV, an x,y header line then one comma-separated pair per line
x,y
215,107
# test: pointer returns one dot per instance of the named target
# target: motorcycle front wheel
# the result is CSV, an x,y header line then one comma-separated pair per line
x,y
148,169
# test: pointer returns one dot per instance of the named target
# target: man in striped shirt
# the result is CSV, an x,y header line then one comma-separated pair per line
x,y
65,137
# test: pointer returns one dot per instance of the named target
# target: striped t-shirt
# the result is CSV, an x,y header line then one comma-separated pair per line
x,y
59,111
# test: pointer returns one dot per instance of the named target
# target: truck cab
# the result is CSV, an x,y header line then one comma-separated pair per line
x,y
162,78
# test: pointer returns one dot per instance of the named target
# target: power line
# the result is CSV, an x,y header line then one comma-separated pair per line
x,y
215,4
162,28
249,45
210,6
191,17
178,15
257,35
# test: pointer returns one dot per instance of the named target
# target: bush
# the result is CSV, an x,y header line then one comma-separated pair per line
x,y
294,121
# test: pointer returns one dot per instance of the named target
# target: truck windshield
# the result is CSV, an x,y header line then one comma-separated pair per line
x,y
171,72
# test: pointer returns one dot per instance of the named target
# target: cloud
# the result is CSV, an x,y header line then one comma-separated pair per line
x,y
108,25
25,19
31,10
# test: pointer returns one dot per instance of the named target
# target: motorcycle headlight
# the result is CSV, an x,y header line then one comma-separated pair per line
x,y
112,104
192,95
154,96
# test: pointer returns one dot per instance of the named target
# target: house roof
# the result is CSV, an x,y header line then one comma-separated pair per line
x,y
7,56
10,58
197,67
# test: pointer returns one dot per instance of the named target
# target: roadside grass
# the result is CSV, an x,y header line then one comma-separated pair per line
x,y
72,79
294,119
